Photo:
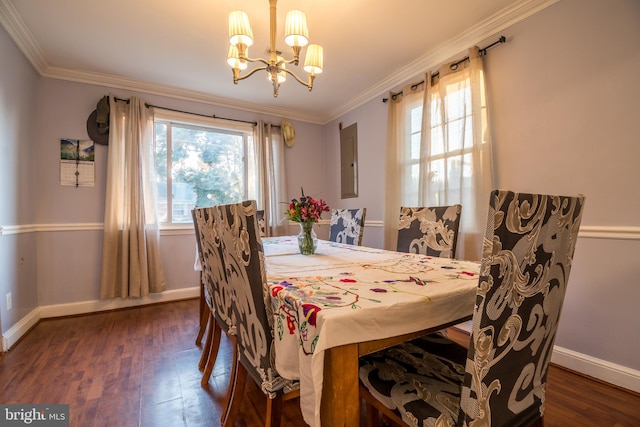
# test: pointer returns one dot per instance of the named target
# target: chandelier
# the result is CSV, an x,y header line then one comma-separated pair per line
x,y
296,35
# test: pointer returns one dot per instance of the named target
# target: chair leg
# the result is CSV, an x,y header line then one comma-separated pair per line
x,y
376,410
232,376
207,344
237,395
213,352
274,412
373,417
204,313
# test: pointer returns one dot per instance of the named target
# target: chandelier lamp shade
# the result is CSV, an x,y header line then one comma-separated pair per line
x,y
296,36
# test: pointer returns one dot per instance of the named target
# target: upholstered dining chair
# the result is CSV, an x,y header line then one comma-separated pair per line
x,y
197,266
217,291
429,230
347,226
500,379
262,223
244,262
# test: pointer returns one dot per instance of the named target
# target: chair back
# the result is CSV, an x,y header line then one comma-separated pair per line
x,y
347,226
207,291
429,231
527,255
262,223
217,290
244,261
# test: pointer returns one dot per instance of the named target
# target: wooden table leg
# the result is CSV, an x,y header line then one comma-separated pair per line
x,y
340,404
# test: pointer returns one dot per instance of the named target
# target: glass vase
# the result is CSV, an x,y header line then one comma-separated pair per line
x,y
307,239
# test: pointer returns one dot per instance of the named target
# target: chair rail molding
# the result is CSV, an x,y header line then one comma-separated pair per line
x,y
623,232
610,232
32,228
98,226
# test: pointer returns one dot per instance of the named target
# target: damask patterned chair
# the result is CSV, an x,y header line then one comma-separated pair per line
x,y
262,223
217,291
500,379
244,261
203,308
429,231
347,226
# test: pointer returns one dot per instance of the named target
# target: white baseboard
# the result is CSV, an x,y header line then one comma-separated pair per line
x,y
83,307
19,329
58,310
611,373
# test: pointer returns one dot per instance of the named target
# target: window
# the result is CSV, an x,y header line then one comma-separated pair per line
x,y
440,150
446,161
201,162
441,156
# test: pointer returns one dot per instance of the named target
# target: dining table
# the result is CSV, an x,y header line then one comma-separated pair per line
x,y
344,301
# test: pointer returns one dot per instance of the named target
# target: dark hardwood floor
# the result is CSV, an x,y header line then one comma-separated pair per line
x,y
139,367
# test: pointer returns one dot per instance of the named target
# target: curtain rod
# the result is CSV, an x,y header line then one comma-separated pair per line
x,y
453,66
195,114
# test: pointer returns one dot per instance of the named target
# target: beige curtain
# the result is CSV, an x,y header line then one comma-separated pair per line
x,y
449,160
455,120
271,175
131,264
398,172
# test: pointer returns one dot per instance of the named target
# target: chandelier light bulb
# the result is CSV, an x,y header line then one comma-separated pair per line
x,y
234,60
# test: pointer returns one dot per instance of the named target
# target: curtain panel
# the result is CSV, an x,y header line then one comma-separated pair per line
x,y
456,153
271,176
398,174
449,159
131,262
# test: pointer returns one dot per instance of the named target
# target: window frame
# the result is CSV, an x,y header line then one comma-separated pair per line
x,y
195,121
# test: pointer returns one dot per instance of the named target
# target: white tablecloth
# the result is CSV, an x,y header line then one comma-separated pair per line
x,y
347,294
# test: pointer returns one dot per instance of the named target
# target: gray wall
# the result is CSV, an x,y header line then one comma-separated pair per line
x,y
564,94
18,181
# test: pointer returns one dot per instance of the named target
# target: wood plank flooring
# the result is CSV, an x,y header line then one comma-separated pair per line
x,y
138,367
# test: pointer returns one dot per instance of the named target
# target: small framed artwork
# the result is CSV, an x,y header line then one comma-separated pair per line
x,y
77,163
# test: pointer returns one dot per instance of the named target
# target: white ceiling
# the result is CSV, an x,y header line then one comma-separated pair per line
x,y
178,48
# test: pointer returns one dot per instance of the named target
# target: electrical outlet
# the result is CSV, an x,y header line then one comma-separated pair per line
x,y
9,301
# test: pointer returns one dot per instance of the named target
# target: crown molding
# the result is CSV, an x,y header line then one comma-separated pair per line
x,y
118,82
17,30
